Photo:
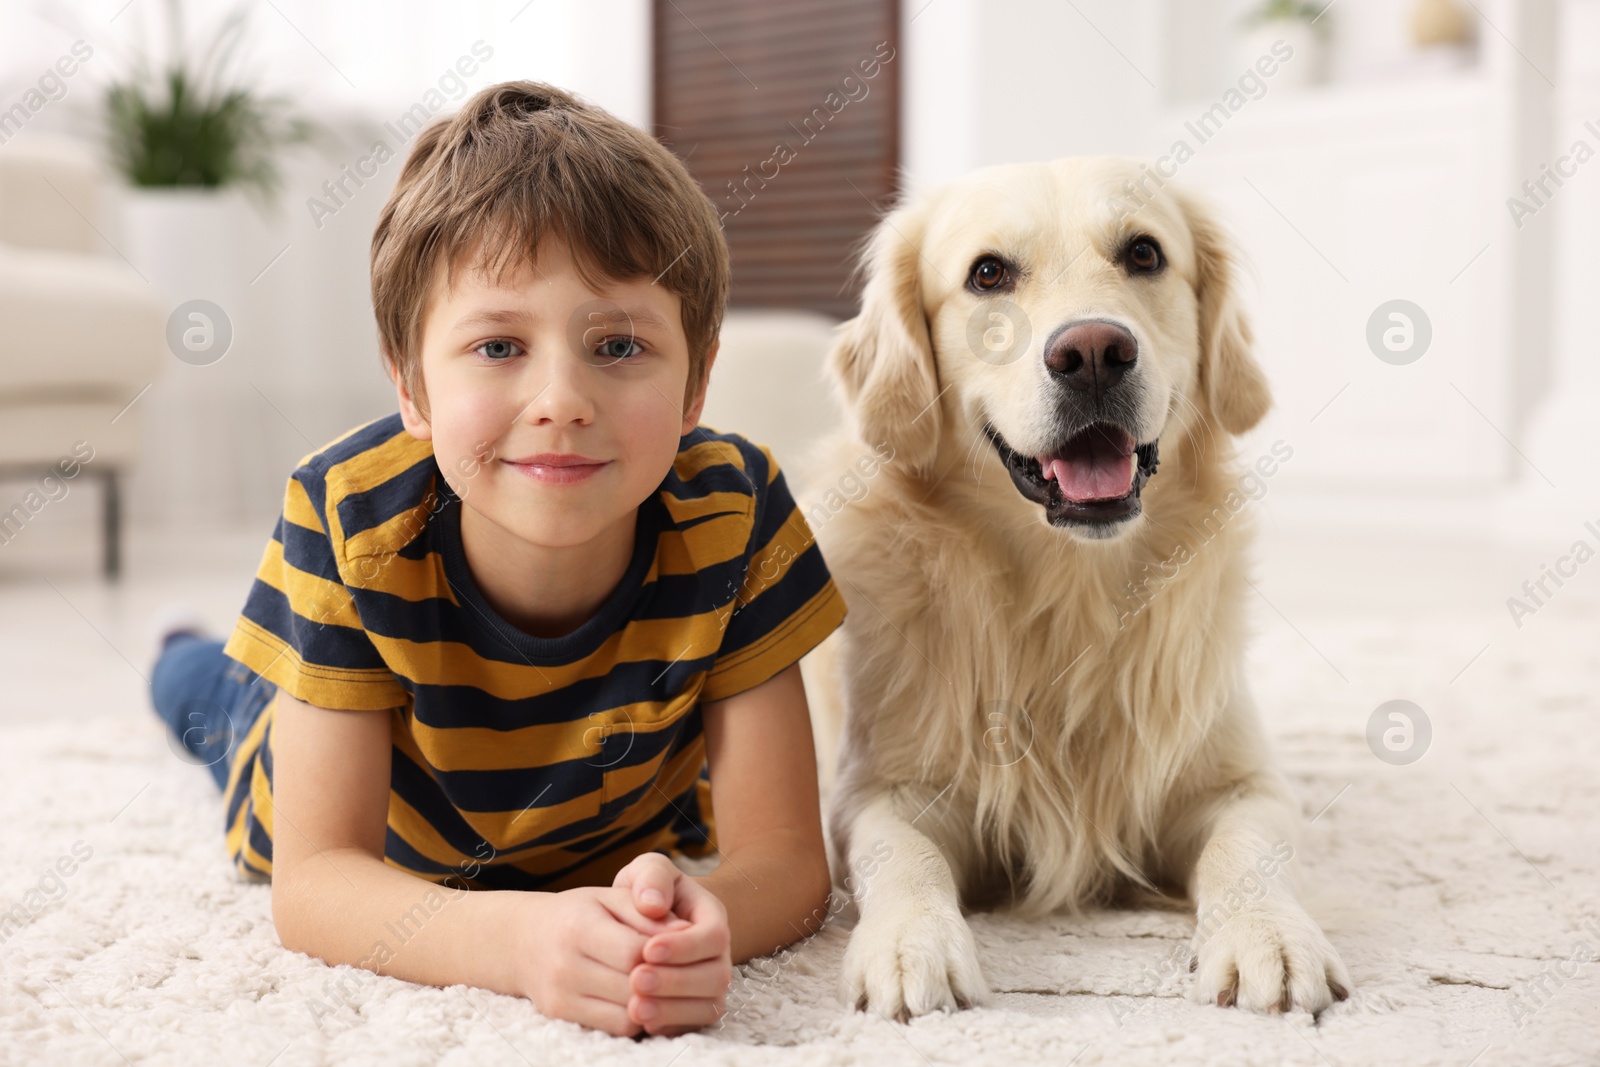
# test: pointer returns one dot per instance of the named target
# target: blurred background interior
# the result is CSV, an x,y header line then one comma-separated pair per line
x,y
185,286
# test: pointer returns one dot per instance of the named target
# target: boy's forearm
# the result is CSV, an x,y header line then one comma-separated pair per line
x,y
771,901
346,906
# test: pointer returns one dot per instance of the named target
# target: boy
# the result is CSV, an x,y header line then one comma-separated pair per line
x,y
508,627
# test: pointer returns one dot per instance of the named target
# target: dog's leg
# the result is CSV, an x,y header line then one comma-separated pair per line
x,y
1254,944
912,952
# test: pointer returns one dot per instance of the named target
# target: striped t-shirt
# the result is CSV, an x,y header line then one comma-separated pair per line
x,y
521,762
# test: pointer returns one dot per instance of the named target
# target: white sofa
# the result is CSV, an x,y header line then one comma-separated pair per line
x,y
81,334
768,384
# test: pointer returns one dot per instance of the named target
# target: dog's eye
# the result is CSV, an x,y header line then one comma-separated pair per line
x,y
988,274
1144,256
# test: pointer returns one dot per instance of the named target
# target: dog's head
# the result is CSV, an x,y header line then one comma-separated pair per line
x,y
1070,315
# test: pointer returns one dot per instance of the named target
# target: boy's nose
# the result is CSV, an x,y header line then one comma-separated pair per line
x,y
561,394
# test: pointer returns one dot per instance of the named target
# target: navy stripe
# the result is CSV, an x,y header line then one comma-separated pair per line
x,y
488,791
316,490
418,547
325,643
505,876
414,786
365,439
773,514
259,840
560,782
671,596
307,550
368,508
241,793
807,574
445,707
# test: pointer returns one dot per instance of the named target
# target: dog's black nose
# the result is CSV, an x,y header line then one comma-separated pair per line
x,y
1091,357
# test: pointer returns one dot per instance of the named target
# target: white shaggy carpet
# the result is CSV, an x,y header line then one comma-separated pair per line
x,y
1456,888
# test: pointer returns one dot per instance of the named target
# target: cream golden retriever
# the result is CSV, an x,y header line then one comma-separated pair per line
x,y
1040,676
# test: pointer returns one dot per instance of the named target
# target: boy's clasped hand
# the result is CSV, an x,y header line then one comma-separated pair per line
x,y
649,954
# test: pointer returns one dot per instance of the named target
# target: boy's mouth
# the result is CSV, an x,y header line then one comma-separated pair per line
x,y
558,468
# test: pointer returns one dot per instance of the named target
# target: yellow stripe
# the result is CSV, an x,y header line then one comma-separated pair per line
x,y
457,663
502,829
326,687
474,748
695,459
388,537
371,468
705,545
773,561
298,509
312,597
244,761
761,660
414,580
671,780
682,511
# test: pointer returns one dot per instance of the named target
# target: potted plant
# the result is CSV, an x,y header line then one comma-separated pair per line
x,y
199,145
192,122
191,137
1302,25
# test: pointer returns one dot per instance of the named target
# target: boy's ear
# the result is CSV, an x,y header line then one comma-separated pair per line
x,y
416,423
697,403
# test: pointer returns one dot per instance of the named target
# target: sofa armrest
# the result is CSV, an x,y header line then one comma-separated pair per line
x,y
51,193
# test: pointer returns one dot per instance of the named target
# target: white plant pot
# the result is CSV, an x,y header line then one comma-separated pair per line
x,y
1308,64
191,244
185,240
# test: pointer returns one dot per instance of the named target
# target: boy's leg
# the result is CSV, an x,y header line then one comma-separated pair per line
x,y
207,700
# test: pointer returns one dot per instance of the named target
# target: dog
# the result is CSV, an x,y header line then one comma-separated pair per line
x,y
1037,697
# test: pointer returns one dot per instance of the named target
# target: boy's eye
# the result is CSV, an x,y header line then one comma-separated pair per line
x,y
498,349
616,348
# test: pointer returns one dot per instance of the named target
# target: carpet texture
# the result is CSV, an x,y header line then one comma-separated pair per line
x,y
1461,890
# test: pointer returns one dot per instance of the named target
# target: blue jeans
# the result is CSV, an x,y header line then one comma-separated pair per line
x,y
208,701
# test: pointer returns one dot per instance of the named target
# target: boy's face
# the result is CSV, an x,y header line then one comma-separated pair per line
x,y
541,364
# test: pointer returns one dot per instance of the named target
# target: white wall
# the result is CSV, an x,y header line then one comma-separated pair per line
x,y
1006,81
1385,184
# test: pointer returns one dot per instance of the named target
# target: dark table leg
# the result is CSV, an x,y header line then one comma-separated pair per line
x,y
111,514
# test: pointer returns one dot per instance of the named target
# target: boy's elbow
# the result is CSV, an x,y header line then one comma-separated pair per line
x,y
290,914
285,917
818,887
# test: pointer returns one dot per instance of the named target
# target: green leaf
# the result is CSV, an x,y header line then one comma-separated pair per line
x,y
191,121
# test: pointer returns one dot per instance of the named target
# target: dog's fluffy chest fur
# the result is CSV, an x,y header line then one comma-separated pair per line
x,y
1062,776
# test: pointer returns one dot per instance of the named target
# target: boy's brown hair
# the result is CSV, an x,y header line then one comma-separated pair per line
x,y
522,160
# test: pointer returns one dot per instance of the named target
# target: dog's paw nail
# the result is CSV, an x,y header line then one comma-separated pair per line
x,y
1339,992
1194,964
1226,998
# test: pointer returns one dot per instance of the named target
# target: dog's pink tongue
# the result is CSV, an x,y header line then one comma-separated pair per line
x,y
1099,473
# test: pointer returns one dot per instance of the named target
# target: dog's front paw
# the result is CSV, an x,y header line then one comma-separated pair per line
x,y
1267,958
913,963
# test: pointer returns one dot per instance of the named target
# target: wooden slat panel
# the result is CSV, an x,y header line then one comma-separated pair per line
x,y
792,227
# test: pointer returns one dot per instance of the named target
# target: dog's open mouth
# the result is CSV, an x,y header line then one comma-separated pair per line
x,y
1093,478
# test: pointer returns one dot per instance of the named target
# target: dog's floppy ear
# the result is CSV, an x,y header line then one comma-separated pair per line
x,y
1232,385
883,358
